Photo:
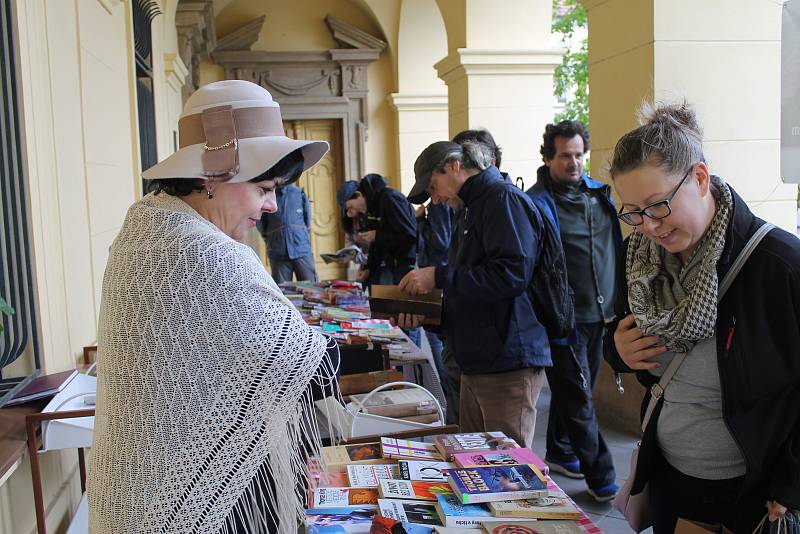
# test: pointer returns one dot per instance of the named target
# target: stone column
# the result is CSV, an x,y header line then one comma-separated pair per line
x,y
499,75
722,57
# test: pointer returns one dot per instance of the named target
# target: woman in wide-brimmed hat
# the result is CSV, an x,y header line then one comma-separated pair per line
x,y
204,367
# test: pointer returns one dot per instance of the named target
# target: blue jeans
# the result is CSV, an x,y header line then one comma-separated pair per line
x,y
436,350
303,268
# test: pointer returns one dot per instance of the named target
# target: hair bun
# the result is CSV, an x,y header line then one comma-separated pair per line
x,y
680,116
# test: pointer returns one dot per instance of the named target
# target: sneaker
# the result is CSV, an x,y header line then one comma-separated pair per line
x,y
604,493
571,469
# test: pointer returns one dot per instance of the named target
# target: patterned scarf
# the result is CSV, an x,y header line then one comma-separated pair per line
x,y
674,301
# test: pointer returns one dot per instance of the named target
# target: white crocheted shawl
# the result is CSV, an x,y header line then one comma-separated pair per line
x,y
204,370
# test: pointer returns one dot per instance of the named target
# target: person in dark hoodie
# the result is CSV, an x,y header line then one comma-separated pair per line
x,y
391,230
489,318
583,213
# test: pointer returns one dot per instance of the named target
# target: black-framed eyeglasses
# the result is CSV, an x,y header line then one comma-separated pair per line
x,y
656,210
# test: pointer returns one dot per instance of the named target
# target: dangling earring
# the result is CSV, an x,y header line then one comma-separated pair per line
x,y
210,194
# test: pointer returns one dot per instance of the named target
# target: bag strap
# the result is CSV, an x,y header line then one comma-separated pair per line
x,y
657,391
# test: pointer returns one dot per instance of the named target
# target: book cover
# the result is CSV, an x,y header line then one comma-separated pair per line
x,y
489,458
388,301
534,527
332,479
421,470
362,453
405,449
367,476
43,386
449,445
555,506
418,512
497,483
351,521
413,489
338,497
458,530
455,514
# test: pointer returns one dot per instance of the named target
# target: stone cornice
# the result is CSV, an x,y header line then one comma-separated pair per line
x,y
175,71
348,35
244,37
418,102
469,62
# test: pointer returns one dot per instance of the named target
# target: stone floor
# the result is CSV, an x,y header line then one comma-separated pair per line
x,y
608,519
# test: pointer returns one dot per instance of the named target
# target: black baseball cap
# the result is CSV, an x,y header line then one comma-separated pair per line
x,y
425,165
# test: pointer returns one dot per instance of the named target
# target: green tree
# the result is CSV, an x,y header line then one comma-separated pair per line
x,y
571,78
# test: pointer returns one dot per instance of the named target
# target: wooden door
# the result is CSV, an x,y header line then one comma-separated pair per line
x,y
321,184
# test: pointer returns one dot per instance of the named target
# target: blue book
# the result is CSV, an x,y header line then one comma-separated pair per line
x,y
454,514
497,483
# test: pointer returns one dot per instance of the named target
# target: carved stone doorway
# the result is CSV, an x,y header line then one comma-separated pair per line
x,y
321,184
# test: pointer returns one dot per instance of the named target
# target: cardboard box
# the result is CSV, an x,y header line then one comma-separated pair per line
x,y
390,301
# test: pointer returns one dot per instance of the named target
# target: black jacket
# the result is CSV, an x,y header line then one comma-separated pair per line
x,y
488,312
392,217
758,353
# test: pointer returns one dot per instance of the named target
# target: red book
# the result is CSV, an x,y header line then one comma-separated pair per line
x,y
43,386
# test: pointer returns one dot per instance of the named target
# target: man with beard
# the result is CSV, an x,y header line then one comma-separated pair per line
x,y
582,211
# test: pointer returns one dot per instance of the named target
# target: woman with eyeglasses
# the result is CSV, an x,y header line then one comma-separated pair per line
x,y
723,443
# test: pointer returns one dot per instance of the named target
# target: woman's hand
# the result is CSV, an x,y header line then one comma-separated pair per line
x,y
407,321
634,348
775,510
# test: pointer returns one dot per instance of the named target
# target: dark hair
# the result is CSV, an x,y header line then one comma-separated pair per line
x,y
568,129
669,137
483,137
288,169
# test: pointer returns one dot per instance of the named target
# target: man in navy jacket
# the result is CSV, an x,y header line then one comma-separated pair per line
x,y
582,211
488,312
287,236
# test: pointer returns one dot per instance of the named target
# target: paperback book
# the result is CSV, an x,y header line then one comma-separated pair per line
x,y
338,497
533,527
417,512
413,489
332,479
354,521
499,483
449,445
362,453
367,476
454,514
421,470
506,457
555,506
405,449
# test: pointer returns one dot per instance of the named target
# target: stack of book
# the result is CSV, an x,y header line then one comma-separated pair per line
x,y
458,483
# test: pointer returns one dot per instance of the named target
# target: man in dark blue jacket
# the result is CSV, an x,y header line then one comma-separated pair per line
x,y
287,236
582,211
489,317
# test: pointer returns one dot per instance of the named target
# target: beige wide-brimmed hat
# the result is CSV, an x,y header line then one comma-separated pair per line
x,y
231,131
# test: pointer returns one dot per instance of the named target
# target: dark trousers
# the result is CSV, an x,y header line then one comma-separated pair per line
x,y
302,268
572,431
452,383
674,494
